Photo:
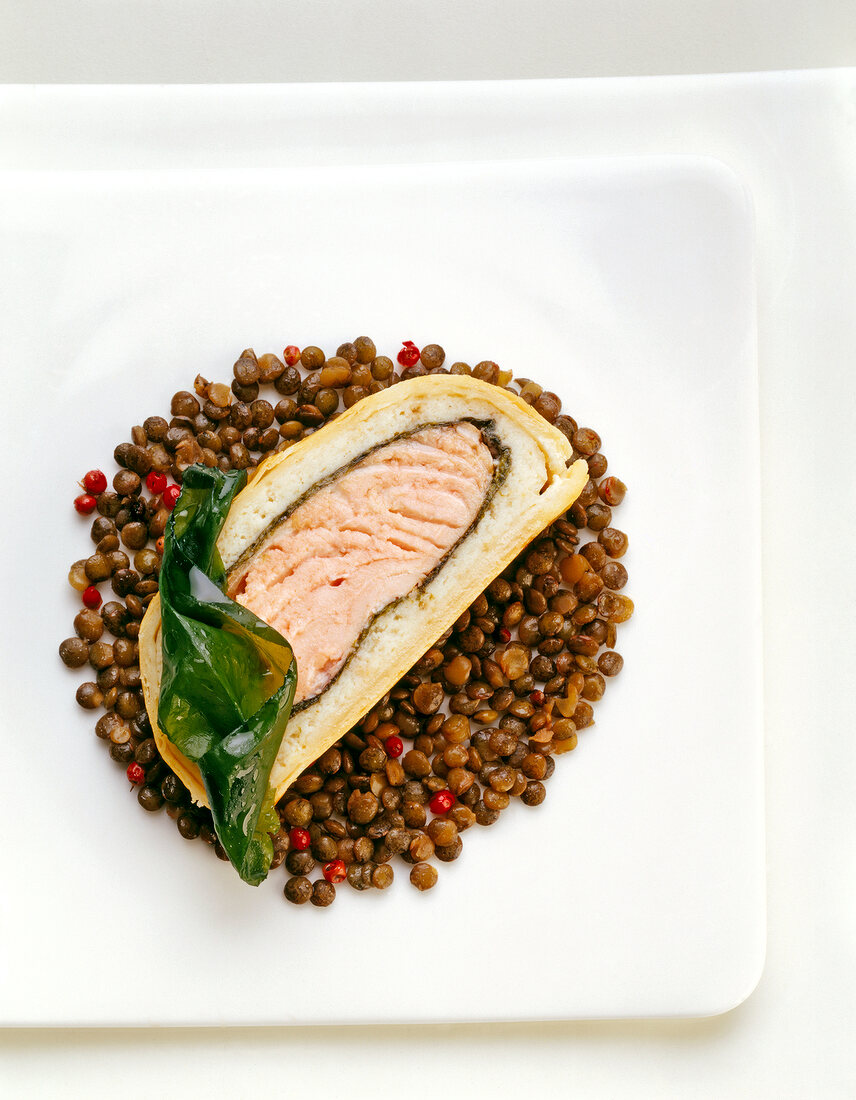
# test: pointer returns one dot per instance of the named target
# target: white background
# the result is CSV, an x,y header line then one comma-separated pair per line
x,y
793,141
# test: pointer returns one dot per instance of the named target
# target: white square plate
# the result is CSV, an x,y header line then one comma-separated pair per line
x,y
637,888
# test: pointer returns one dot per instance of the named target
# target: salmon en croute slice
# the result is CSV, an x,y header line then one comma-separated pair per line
x,y
364,542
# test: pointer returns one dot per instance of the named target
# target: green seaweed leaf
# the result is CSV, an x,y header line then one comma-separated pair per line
x,y
228,678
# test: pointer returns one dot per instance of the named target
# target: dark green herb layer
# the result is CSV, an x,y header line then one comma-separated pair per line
x,y
228,678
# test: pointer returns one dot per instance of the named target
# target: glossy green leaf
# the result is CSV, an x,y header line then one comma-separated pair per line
x,y
228,678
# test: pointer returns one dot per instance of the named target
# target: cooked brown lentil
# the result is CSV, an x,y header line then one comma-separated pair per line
x,y
298,890
365,349
323,893
150,798
382,876
300,863
432,356
74,652
610,663
423,876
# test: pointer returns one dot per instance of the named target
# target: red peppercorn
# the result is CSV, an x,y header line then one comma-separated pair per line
x,y
170,495
159,545
95,481
409,354
85,503
91,597
536,698
155,482
504,634
135,772
441,802
291,355
334,871
300,839
394,746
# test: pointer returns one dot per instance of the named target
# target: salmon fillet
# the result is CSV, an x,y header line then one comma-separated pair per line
x,y
363,541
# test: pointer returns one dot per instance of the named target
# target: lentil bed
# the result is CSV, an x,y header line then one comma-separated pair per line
x,y
519,673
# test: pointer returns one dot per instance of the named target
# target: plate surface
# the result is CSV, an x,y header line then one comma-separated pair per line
x,y
627,287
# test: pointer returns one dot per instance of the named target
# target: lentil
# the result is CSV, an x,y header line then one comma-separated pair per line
x,y
323,893
298,890
300,863
423,876
449,852
614,542
610,664
74,652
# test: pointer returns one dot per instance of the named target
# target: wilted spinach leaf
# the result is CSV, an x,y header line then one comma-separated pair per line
x,y
228,678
